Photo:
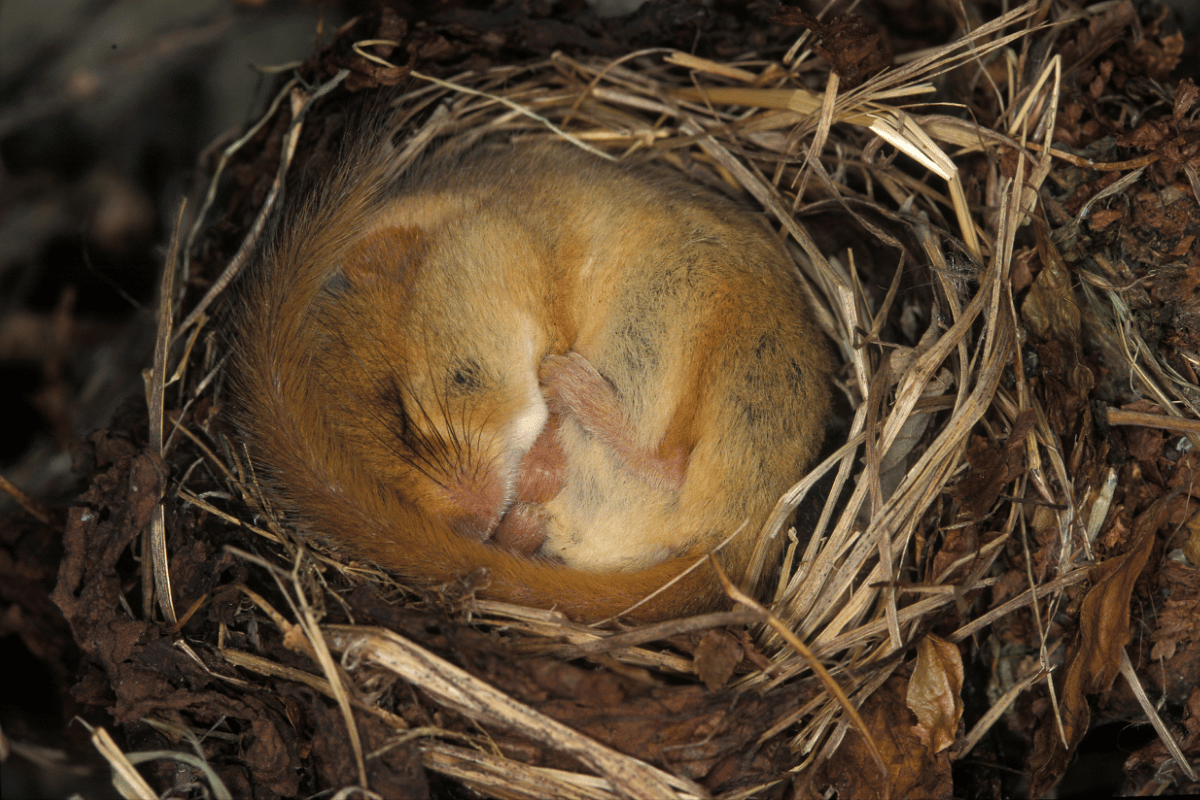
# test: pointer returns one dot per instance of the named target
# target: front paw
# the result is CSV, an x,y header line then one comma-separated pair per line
x,y
523,529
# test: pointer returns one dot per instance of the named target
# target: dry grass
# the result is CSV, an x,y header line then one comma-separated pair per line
x,y
855,593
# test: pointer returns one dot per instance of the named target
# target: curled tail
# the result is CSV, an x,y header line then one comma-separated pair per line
x,y
329,492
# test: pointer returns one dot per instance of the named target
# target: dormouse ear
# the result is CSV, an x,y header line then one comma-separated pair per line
x,y
386,257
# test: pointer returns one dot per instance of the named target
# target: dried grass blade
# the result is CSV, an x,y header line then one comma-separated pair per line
x,y
738,596
463,691
301,103
157,580
689,61
1164,735
503,777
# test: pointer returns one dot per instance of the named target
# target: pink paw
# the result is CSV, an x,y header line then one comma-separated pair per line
x,y
573,386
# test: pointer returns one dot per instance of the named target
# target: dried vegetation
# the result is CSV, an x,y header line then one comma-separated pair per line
x,y
1000,235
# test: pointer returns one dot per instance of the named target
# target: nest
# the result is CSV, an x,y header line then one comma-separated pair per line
x,y
973,497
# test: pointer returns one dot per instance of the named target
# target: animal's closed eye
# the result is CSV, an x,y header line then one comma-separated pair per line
x,y
465,377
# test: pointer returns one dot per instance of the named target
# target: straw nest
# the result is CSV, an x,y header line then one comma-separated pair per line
x,y
969,493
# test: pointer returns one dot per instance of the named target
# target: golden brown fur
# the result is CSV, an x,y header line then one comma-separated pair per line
x,y
578,376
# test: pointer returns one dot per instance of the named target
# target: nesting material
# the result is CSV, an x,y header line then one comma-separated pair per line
x,y
952,503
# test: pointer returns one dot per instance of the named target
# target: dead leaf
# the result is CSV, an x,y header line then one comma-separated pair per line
x,y
1175,635
935,692
1093,663
395,770
1191,545
914,770
854,48
716,657
1102,218
1102,32
991,468
1051,311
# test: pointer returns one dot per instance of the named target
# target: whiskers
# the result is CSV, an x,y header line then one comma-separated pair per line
x,y
434,446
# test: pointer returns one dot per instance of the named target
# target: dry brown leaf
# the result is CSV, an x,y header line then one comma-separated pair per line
x,y
854,48
993,468
1102,32
1191,545
1104,618
1175,630
716,656
914,771
1094,663
1050,310
935,692
1102,218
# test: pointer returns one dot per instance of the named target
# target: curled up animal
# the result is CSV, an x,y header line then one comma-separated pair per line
x,y
580,376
